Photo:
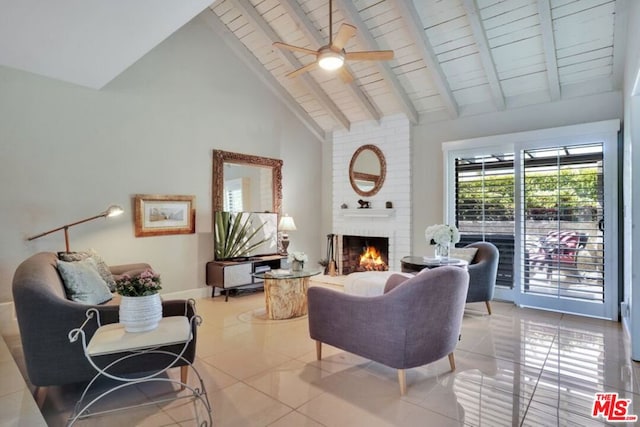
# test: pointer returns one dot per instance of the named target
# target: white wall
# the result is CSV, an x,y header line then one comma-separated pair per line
x,y
427,139
67,152
631,174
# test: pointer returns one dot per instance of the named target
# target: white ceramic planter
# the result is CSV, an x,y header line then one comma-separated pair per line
x,y
140,314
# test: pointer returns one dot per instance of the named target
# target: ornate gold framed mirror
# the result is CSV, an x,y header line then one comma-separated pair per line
x,y
246,183
367,170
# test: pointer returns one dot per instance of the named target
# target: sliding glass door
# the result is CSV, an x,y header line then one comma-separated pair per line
x,y
541,199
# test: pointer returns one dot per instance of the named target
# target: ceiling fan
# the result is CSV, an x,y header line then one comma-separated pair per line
x,y
332,56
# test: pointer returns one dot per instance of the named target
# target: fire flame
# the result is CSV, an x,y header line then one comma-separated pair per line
x,y
372,260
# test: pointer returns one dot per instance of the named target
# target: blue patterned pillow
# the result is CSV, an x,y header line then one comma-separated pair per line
x,y
103,268
83,283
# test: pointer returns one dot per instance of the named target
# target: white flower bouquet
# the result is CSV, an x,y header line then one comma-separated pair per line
x,y
298,256
442,234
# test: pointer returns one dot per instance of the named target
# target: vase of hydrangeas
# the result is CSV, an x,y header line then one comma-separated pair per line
x,y
297,260
442,236
140,307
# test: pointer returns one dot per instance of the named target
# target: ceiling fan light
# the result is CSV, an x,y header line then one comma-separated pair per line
x,y
330,60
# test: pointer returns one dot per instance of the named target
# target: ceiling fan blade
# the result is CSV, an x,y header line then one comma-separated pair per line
x,y
345,75
345,32
370,55
295,48
304,69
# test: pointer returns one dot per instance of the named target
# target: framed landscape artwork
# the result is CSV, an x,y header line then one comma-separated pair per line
x,y
157,215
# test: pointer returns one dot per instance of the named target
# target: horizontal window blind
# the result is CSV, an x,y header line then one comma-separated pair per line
x,y
562,221
484,206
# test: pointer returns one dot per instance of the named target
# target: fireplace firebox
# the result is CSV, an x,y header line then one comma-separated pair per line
x,y
364,253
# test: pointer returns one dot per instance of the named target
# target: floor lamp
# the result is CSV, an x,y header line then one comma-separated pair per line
x,y
113,210
286,224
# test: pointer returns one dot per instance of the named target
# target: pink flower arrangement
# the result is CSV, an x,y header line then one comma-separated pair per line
x,y
146,283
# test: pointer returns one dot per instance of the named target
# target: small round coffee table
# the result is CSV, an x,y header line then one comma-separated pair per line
x,y
285,292
413,264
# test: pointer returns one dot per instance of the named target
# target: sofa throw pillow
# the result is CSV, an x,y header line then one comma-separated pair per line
x,y
465,254
82,281
103,268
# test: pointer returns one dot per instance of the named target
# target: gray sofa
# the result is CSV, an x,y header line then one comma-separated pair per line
x,y
45,317
416,321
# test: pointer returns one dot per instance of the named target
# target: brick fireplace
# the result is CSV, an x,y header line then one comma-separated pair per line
x,y
392,137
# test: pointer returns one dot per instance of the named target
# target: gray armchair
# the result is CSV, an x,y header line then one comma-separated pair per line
x,y
45,317
483,271
416,321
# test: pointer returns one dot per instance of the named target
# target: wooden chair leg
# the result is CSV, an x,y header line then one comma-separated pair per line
x,y
40,395
452,361
318,350
184,375
402,380
488,307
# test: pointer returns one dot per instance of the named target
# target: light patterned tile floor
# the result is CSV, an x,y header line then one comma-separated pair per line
x,y
515,367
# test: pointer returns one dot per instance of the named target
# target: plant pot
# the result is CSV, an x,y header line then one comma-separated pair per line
x,y
140,314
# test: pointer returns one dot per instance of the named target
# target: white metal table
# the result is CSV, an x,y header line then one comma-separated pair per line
x,y
113,339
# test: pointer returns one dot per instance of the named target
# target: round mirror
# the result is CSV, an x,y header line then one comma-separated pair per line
x,y
367,170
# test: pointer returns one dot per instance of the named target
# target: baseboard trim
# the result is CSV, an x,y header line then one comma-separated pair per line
x,y
188,293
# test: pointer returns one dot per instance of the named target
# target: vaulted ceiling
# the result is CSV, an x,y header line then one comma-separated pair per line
x,y
452,57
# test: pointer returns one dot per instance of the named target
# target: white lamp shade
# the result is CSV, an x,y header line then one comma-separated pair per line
x,y
286,224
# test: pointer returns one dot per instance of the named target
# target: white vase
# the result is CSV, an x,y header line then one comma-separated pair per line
x,y
297,265
140,314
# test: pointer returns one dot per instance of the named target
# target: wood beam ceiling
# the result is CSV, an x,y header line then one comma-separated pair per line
x,y
306,26
312,86
353,16
548,40
412,22
479,34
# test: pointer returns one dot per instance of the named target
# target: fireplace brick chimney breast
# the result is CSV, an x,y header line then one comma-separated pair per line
x,y
392,137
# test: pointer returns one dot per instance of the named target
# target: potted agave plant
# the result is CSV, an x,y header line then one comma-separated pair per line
x,y
140,307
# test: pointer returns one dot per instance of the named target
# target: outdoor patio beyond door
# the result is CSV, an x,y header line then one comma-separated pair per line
x,y
544,210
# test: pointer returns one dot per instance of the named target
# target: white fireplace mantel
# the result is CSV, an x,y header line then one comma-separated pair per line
x,y
367,213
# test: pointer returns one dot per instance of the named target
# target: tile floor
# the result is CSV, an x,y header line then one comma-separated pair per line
x,y
517,367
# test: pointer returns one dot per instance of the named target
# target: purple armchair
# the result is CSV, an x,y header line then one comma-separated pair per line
x,y
416,321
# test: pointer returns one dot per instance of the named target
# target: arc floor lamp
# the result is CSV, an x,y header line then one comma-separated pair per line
x,y
113,210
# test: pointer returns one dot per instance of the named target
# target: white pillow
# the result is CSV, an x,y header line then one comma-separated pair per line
x,y
82,281
465,254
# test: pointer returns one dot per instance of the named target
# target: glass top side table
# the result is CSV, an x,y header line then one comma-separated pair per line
x,y
285,292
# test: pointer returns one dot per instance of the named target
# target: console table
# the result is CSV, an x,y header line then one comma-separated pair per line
x,y
285,292
113,339
413,264
238,273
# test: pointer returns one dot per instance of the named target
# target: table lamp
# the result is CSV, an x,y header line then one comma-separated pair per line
x,y
113,210
286,224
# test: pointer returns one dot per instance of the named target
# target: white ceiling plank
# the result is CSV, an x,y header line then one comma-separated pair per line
x,y
306,26
416,28
214,22
548,40
253,16
485,54
351,13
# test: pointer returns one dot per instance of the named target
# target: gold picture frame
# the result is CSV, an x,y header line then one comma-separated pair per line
x,y
159,215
